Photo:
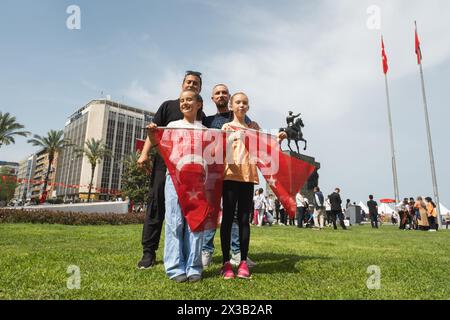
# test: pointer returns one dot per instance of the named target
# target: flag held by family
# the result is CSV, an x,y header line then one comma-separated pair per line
x,y
285,174
190,156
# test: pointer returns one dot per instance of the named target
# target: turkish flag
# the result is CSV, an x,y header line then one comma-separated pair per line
x,y
194,159
418,50
384,57
139,145
285,175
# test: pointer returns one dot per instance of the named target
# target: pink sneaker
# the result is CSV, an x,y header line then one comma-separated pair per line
x,y
227,271
243,271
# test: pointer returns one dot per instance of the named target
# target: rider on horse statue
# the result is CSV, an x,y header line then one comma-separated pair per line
x,y
290,118
294,130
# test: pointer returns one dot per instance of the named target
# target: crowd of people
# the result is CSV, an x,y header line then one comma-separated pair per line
x,y
316,214
418,214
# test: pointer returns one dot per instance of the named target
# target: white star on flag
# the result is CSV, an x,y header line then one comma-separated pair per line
x,y
193,195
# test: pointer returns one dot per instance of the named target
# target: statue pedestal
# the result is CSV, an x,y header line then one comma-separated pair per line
x,y
313,181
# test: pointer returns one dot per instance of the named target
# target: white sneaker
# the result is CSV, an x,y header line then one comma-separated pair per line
x,y
206,259
236,260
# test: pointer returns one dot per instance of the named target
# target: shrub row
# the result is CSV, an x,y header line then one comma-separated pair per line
x,y
68,218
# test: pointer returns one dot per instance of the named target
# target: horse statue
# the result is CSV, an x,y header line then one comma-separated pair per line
x,y
294,132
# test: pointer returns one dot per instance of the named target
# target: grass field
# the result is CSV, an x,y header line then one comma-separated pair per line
x,y
292,264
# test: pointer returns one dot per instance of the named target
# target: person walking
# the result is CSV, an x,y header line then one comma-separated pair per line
x,y
302,205
373,212
260,205
336,208
431,213
319,208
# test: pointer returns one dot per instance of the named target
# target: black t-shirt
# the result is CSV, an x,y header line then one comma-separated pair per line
x,y
372,205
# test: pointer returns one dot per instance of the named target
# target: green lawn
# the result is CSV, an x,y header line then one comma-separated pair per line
x,y
292,264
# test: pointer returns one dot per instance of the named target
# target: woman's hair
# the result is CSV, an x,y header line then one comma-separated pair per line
x,y
430,201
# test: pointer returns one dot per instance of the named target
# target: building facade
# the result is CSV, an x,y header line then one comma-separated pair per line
x,y
24,177
40,171
11,167
117,126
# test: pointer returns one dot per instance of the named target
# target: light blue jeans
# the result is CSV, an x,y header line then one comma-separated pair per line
x,y
208,239
182,248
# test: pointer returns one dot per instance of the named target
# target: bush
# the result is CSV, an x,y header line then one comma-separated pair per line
x,y
68,218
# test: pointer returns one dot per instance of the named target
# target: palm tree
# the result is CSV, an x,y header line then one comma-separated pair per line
x,y
53,143
94,151
10,128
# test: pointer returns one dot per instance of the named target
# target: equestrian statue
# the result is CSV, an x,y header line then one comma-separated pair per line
x,y
294,130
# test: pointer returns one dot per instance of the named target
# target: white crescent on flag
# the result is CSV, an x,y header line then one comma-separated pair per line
x,y
190,159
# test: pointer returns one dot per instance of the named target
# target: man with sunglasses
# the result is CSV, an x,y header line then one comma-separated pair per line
x,y
169,111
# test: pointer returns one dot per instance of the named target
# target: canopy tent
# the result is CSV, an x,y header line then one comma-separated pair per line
x,y
364,207
444,211
385,208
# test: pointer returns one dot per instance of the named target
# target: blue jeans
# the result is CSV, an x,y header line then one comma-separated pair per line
x,y
208,239
182,248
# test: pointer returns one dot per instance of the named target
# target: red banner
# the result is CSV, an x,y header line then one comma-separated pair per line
x,y
190,156
284,174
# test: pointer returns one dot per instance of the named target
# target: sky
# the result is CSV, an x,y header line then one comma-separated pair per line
x,y
320,58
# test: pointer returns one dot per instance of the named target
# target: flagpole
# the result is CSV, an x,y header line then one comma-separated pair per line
x,y
393,161
394,164
430,144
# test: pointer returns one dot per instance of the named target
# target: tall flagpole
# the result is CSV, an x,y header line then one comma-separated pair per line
x,y
393,161
427,122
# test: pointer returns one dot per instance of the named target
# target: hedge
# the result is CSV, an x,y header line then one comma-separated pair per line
x,y
68,218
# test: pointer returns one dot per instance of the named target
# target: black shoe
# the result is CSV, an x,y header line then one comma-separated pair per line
x,y
195,278
180,278
147,261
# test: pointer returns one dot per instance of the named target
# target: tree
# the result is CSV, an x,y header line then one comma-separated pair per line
x,y
9,128
95,151
135,180
53,143
8,184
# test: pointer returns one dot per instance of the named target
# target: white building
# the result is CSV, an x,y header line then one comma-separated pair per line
x,y
25,176
118,126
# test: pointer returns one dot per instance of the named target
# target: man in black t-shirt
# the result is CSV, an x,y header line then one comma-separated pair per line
x,y
336,208
169,111
373,211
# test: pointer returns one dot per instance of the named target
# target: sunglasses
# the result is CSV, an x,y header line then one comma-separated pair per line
x,y
193,73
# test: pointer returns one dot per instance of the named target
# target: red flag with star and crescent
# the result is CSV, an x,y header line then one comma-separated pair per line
x,y
285,174
190,156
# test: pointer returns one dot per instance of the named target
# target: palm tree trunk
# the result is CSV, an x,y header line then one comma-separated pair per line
x,y
90,184
44,192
